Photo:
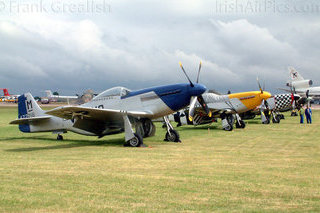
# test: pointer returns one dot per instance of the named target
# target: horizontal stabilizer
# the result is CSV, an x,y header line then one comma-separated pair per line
x,y
22,121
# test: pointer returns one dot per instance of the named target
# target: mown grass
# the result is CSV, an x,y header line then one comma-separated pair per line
x,y
263,168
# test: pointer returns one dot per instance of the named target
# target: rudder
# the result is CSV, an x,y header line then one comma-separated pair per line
x,y
28,108
294,75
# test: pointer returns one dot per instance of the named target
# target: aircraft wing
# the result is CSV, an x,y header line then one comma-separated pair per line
x,y
104,115
22,121
95,120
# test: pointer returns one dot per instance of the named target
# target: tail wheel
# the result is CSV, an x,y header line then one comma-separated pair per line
x,y
136,141
173,136
59,137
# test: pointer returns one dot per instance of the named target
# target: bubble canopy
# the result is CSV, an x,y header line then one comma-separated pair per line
x,y
115,91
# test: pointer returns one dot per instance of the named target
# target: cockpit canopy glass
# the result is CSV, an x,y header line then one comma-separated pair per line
x,y
115,91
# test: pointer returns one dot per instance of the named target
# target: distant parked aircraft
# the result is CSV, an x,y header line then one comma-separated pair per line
x,y
8,97
50,97
301,86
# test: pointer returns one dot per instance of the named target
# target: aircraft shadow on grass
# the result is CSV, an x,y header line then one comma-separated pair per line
x,y
71,143
199,128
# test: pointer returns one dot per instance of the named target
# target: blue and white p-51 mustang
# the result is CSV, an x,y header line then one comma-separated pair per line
x,y
113,111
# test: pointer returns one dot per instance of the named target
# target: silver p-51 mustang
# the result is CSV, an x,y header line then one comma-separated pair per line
x,y
113,111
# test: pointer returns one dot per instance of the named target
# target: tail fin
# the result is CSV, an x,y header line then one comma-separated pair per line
x,y
294,75
28,107
5,92
49,93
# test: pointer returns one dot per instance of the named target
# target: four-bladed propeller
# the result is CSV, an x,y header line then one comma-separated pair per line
x,y
194,99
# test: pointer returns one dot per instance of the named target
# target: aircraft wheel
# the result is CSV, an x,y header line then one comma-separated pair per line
x,y
136,141
276,120
59,137
242,124
228,128
294,114
266,122
149,128
174,137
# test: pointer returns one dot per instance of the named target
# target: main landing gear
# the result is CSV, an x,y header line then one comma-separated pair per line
x,y
240,124
275,118
171,135
132,139
227,121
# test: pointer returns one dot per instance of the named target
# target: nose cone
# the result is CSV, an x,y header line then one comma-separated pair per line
x,y
198,89
265,95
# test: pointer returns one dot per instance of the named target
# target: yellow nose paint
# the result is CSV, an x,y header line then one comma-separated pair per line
x,y
251,99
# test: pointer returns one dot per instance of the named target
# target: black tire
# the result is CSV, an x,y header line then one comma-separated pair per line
x,y
228,128
149,128
266,122
60,138
242,124
276,120
137,141
281,116
174,137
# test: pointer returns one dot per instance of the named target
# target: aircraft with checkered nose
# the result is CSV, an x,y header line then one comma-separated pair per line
x,y
272,107
113,111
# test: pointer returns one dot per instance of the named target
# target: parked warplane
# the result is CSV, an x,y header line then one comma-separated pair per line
x,y
226,107
272,107
8,97
112,111
51,97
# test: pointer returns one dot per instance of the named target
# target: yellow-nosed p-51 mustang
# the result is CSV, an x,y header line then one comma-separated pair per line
x,y
226,107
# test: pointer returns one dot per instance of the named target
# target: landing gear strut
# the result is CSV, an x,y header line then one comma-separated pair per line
x,y
275,118
171,135
132,139
240,124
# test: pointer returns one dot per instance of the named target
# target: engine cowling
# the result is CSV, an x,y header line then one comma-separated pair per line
x,y
300,84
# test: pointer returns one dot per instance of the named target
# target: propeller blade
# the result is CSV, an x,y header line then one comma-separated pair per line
x,y
191,84
199,72
193,101
204,105
261,90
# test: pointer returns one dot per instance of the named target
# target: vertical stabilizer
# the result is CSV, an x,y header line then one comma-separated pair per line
x,y
294,75
28,108
49,93
6,92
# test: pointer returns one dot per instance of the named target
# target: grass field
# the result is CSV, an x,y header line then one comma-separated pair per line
x,y
263,168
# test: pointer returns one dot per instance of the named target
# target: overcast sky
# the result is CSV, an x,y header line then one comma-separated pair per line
x,y
71,46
